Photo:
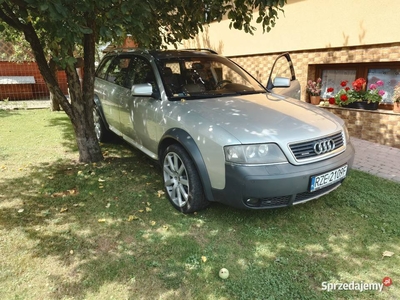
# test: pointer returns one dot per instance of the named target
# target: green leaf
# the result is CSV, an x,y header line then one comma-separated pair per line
x,y
60,9
70,61
43,7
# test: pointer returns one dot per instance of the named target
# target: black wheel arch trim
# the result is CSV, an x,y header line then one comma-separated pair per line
x,y
99,107
183,138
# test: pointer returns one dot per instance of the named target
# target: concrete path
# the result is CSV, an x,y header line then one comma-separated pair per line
x,y
30,104
376,159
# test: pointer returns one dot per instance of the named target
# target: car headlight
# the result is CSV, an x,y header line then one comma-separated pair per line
x,y
254,154
346,134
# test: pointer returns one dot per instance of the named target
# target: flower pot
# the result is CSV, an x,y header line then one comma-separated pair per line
x,y
315,99
385,106
396,107
363,105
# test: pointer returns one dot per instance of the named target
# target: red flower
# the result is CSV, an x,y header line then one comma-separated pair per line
x,y
331,100
343,98
343,83
347,88
330,90
359,84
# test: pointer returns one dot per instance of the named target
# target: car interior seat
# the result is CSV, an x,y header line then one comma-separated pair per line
x,y
172,81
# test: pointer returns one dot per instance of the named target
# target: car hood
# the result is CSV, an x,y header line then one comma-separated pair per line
x,y
264,118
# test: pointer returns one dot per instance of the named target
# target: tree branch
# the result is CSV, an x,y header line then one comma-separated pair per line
x,y
8,16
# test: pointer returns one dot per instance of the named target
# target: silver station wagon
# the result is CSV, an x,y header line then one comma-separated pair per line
x,y
217,132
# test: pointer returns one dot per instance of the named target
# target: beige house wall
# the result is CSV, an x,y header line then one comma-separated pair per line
x,y
311,24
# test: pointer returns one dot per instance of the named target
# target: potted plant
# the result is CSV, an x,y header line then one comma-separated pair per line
x,y
396,99
358,97
313,89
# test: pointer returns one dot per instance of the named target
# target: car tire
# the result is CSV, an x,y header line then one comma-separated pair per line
x,y
102,133
181,180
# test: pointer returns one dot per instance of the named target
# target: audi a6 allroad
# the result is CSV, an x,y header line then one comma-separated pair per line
x,y
217,132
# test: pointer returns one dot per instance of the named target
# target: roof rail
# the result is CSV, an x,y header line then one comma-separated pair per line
x,y
203,49
128,49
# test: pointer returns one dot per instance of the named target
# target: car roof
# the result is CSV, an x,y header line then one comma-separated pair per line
x,y
165,54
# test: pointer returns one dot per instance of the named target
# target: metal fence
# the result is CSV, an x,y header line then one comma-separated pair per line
x,y
23,81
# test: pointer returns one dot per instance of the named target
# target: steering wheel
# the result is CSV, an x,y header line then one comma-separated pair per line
x,y
222,83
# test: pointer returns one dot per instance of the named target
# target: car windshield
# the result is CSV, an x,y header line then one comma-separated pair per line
x,y
204,77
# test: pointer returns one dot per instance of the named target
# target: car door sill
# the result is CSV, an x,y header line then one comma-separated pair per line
x,y
133,143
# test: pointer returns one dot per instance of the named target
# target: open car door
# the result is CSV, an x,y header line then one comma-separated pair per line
x,y
282,79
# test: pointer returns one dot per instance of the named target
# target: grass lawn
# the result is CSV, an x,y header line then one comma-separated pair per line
x,y
107,231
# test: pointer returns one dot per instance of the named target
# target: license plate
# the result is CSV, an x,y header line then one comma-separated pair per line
x,y
328,178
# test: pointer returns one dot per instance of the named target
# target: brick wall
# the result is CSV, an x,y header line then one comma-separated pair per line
x,y
27,91
304,61
378,126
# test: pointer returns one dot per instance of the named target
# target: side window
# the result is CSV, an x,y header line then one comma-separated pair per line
x,y
141,72
282,78
118,70
282,68
102,70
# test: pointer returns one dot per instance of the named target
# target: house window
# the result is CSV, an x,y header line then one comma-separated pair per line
x,y
333,74
391,77
333,78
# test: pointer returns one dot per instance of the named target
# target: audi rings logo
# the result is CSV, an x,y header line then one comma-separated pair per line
x,y
324,146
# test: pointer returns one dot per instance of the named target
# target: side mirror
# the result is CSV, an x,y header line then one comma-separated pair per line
x,y
281,82
142,90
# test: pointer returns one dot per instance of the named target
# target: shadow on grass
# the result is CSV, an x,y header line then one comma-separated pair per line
x,y
6,113
114,233
64,124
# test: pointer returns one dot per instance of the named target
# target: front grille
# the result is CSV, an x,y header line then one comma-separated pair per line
x,y
306,150
275,201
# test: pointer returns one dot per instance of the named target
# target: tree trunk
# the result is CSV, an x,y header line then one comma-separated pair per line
x,y
82,120
54,104
84,125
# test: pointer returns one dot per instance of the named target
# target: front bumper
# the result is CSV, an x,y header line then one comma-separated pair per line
x,y
273,186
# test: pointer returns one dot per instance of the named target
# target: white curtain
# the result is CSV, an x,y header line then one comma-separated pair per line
x,y
333,78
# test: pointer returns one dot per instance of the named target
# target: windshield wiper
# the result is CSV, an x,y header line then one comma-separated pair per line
x,y
214,94
251,92
202,95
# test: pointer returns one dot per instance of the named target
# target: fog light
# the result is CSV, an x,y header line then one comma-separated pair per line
x,y
252,202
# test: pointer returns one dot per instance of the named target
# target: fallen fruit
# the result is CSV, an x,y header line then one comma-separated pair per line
x,y
224,273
